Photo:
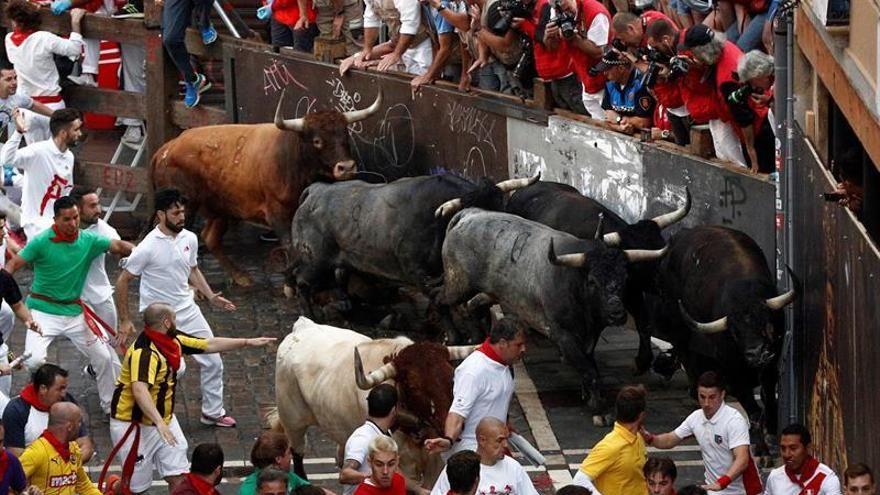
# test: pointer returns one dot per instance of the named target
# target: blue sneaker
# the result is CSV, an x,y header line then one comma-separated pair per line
x,y
195,89
209,35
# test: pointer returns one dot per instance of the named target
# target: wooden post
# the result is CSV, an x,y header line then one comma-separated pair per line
x,y
329,49
701,141
543,95
162,78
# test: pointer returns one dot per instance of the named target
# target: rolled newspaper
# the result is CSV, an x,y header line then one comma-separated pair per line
x,y
19,360
522,445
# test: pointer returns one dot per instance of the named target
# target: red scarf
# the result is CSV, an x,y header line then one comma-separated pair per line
x,y
29,395
19,35
490,353
807,471
200,485
62,448
168,346
4,462
60,237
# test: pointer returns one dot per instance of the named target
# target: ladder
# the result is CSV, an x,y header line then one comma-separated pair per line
x,y
131,155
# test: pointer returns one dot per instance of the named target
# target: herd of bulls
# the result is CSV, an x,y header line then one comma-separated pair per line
x,y
563,263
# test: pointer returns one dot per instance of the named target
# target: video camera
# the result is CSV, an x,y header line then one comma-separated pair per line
x,y
741,95
566,21
657,60
507,10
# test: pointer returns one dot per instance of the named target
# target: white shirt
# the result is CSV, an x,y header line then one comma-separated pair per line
x,y
506,477
717,438
410,15
35,63
97,288
7,109
164,264
48,175
778,482
482,387
357,447
599,30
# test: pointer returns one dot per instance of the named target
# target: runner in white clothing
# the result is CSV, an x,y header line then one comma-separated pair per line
x,y
167,261
499,474
483,386
381,414
723,435
801,473
48,169
33,53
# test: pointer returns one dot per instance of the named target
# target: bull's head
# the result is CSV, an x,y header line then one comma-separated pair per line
x,y
645,234
323,138
752,324
605,271
489,196
423,375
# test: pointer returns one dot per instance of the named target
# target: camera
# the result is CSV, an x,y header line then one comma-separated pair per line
x,y
566,21
657,60
741,95
507,10
678,67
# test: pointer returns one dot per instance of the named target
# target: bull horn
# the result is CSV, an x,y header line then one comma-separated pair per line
x,y
578,260
448,208
637,255
295,125
676,216
358,115
599,227
407,419
514,184
611,239
716,326
377,376
783,300
459,352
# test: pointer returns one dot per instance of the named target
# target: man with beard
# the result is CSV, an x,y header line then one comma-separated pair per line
x,y
800,471
205,471
143,427
167,262
47,166
61,258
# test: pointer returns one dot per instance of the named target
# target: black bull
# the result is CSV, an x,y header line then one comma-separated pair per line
x,y
562,207
719,308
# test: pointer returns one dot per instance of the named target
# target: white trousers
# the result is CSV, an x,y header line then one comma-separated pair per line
x,y
74,328
190,320
593,104
92,50
417,60
106,311
134,77
152,452
727,143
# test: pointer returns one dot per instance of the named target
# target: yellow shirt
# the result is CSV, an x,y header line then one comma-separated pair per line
x,y
615,463
46,469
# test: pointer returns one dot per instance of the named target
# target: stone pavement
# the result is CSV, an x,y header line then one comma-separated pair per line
x,y
249,381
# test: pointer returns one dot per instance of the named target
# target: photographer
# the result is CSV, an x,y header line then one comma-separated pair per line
x,y
628,105
591,34
500,40
750,103
447,15
663,58
632,29
553,55
410,48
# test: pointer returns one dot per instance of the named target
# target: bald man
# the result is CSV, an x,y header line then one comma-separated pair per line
x,y
499,473
53,463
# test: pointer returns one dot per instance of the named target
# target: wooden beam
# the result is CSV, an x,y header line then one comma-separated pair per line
x,y
202,115
195,46
106,101
162,79
114,177
152,14
839,85
93,26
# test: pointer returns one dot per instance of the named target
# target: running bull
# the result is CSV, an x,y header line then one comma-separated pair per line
x,y
720,309
569,298
256,173
320,380
564,208
389,231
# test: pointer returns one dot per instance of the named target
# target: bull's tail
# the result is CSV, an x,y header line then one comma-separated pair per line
x,y
274,420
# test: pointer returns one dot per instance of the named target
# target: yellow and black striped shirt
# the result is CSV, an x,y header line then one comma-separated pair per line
x,y
144,363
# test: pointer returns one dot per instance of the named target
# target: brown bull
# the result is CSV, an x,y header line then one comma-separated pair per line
x,y
257,172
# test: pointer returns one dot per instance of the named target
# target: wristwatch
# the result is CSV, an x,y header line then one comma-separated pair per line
x,y
441,8
618,120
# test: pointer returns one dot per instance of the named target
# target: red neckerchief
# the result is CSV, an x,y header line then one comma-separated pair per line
x,y
201,486
62,448
490,353
19,35
60,237
29,395
4,462
168,346
807,471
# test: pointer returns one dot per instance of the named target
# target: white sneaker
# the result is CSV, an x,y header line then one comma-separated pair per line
x,y
133,135
84,80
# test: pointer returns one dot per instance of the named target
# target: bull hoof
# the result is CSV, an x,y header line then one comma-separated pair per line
x,y
242,280
599,420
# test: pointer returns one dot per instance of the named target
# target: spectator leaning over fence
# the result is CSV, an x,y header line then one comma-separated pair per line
x,y
205,471
751,105
628,105
12,103
554,59
445,16
33,52
614,465
410,47
27,415
858,479
723,435
500,42
335,20
663,41
176,17
660,473
632,29
48,169
800,473
284,22
591,35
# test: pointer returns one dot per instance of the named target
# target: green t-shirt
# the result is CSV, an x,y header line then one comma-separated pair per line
x,y
249,485
60,269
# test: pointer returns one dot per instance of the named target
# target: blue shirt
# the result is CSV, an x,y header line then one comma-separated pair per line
x,y
632,99
14,476
443,26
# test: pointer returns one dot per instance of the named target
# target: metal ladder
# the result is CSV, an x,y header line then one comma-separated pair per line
x,y
131,155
